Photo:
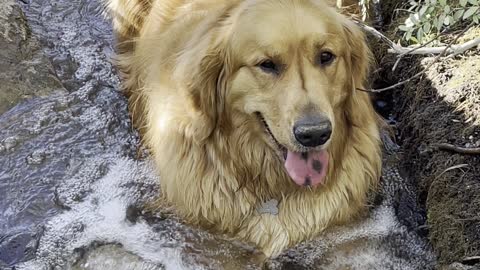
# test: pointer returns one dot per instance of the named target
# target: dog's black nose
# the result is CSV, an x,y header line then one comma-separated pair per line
x,y
312,131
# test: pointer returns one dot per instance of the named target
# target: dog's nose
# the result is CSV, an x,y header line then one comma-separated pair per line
x,y
312,131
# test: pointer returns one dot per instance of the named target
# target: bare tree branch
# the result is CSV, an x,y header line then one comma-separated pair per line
x,y
454,49
394,46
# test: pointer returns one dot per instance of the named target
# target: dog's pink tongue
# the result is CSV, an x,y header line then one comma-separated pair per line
x,y
307,169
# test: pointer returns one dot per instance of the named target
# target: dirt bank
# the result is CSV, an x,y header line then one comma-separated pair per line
x,y
443,106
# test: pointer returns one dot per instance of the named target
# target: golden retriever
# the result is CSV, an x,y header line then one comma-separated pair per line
x,y
243,102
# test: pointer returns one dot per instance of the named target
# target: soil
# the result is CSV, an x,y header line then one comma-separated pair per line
x,y
442,106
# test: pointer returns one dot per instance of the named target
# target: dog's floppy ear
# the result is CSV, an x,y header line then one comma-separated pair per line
x,y
359,58
360,55
202,69
359,110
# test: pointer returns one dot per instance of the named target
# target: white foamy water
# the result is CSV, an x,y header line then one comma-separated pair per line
x,y
97,233
101,217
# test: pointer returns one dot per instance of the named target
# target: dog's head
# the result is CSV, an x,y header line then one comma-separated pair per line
x,y
293,66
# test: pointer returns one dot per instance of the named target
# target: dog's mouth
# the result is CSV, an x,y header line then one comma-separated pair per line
x,y
281,150
306,168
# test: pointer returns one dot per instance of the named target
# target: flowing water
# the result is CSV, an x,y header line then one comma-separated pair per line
x,y
71,185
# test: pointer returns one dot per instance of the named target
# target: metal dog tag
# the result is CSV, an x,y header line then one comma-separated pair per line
x,y
268,207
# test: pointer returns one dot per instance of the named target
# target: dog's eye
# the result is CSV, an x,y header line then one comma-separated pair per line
x,y
269,66
325,58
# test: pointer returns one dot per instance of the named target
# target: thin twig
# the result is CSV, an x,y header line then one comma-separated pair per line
x,y
422,71
459,166
397,84
379,35
457,149
471,258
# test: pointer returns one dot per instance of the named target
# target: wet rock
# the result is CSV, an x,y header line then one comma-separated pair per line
x,y
9,143
25,71
15,247
111,257
36,158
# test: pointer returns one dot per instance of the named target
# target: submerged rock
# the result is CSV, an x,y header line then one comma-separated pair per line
x,y
25,71
113,257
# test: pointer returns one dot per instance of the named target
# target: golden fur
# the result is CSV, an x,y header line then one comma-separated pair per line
x,y
191,73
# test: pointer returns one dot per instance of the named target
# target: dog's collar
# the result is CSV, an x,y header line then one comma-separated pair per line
x,y
268,207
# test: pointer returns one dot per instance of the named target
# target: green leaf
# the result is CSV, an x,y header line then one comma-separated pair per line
x,y
447,9
442,2
426,27
448,20
404,28
435,22
423,10
408,35
440,22
415,18
470,12
463,3
409,23
458,14
420,35
473,2
475,19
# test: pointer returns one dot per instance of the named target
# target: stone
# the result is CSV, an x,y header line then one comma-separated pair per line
x,y
25,71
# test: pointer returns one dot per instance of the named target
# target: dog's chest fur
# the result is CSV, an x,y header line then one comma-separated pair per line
x,y
236,184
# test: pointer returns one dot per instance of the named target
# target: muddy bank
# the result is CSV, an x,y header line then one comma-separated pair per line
x,y
443,106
